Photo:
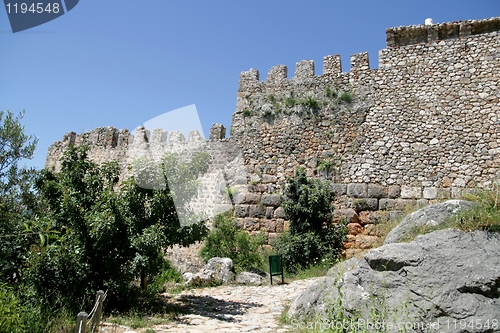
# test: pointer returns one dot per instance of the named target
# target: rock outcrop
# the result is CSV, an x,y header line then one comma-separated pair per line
x,y
428,216
217,270
445,281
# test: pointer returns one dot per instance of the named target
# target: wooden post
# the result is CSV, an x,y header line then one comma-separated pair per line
x,y
96,318
81,322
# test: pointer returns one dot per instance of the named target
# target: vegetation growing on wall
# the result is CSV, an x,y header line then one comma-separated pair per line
x,y
312,237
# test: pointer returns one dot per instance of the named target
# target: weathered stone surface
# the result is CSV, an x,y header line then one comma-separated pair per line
x,y
271,200
409,192
241,210
430,215
279,213
448,275
354,228
269,212
393,191
251,198
252,224
269,179
357,190
365,204
217,269
377,191
375,217
280,225
256,211
348,214
339,189
430,192
268,225
386,204
250,278
365,241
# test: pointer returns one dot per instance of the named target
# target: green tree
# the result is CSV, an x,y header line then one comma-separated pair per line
x,y
312,237
16,194
226,240
104,239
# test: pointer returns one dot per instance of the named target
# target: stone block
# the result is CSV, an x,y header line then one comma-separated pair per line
x,y
360,205
271,237
252,198
430,192
443,193
377,191
354,228
257,188
405,204
271,200
365,241
240,223
446,182
280,225
357,190
347,214
241,210
409,192
339,189
256,211
372,217
394,191
221,208
279,213
269,212
386,204
252,224
373,230
269,179
268,225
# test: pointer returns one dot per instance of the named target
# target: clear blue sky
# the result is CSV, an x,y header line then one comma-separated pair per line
x,y
122,62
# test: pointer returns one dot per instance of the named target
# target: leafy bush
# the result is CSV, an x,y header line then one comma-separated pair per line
x,y
11,311
226,240
106,239
311,238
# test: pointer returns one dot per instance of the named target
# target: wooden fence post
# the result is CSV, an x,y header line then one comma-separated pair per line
x,y
96,318
81,322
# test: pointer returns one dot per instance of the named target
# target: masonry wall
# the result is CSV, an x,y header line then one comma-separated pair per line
x,y
422,127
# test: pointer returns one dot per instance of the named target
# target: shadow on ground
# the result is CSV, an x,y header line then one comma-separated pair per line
x,y
214,308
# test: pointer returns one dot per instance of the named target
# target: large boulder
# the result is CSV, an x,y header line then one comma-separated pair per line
x,y
217,270
448,280
428,216
250,278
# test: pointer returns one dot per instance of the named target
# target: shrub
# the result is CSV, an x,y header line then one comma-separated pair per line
x,y
331,93
246,112
312,238
290,102
10,310
226,240
346,97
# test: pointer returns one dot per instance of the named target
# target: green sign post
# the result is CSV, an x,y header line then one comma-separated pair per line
x,y
276,267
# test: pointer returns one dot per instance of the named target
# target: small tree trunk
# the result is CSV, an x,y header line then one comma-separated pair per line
x,y
144,280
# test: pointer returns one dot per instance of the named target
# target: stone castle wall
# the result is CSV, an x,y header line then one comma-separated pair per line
x,y
422,126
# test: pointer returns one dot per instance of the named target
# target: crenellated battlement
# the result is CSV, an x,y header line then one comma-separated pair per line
x,y
420,34
304,72
107,143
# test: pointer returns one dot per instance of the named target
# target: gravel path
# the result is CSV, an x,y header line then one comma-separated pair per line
x,y
233,309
